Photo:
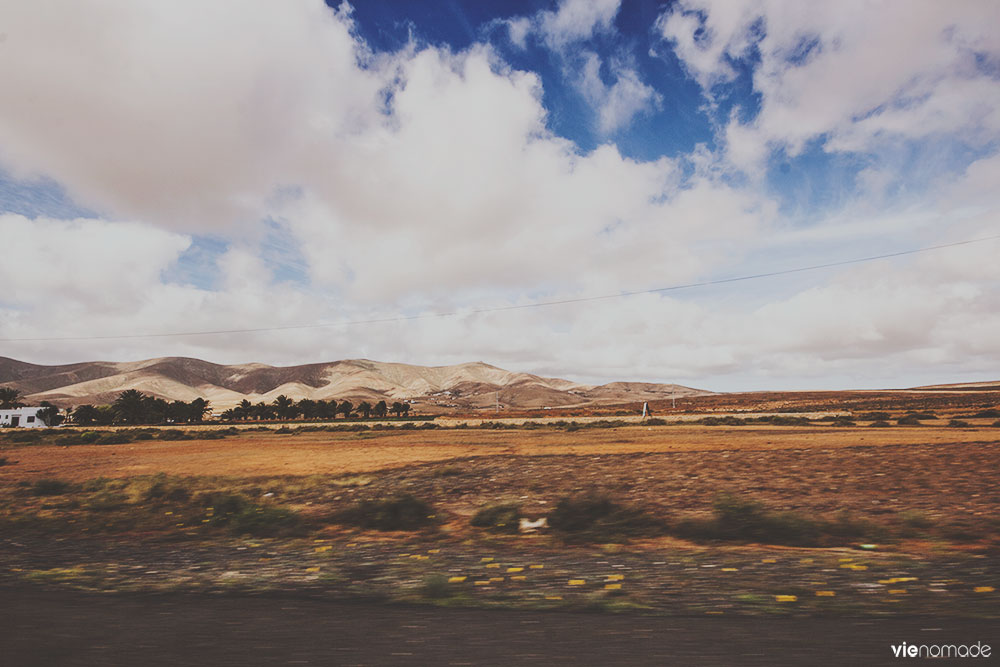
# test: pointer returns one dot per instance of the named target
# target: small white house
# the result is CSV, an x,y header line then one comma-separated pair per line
x,y
23,417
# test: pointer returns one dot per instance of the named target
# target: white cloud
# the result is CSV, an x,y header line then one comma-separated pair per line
x,y
425,181
616,104
855,73
576,21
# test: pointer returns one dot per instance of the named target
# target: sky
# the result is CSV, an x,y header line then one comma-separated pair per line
x,y
386,180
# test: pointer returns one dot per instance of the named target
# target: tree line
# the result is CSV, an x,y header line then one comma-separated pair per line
x,y
132,407
284,408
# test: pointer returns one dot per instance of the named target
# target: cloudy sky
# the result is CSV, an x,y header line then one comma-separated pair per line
x,y
185,167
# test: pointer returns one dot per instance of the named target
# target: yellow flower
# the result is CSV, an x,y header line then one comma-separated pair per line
x,y
515,569
553,597
612,587
482,582
493,565
312,569
615,577
320,550
897,591
786,598
769,560
729,569
577,582
518,577
984,589
496,579
456,580
433,551
486,560
536,567
825,594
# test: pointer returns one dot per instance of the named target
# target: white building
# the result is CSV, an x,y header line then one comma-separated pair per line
x,y
23,417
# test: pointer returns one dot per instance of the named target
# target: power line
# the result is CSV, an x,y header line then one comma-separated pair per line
x,y
497,309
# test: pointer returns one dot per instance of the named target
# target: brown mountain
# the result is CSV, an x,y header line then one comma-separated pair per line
x,y
434,388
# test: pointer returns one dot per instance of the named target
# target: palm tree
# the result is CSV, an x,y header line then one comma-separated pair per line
x,y
346,407
10,398
365,409
381,409
284,407
130,406
85,415
244,410
199,408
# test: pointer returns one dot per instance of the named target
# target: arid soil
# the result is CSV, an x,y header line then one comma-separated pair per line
x,y
256,454
927,498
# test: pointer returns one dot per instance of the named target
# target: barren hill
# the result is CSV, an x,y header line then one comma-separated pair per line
x,y
434,388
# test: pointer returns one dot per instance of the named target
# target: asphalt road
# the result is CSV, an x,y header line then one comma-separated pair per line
x,y
60,627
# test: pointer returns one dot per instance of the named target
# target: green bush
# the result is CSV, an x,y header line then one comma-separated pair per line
x,y
113,439
403,512
728,420
244,517
50,487
741,520
596,518
84,438
502,518
175,434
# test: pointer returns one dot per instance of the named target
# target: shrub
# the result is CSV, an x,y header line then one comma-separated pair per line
x,y
597,518
996,423
436,586
158,487
958,423
175,434
4,461
24,437
842,421
50,487
908,420
921,415
749,521
502,518
781,420
987,414
655,421
875,416
113,439
722,421
403,512
880,424
84,438
244,517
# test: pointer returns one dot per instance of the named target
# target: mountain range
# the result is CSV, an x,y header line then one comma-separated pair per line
x,y
431,388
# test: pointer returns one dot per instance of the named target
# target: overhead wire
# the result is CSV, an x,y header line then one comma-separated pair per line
x,y
520,306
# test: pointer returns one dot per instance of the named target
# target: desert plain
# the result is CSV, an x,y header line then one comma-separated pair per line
x,y
708,509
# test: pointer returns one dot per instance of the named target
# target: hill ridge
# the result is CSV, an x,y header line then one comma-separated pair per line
x,y
467,385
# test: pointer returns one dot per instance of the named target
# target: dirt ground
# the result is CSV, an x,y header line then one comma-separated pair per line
x,y
259,454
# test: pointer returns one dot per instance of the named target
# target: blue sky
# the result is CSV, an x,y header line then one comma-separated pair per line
x,y
176,169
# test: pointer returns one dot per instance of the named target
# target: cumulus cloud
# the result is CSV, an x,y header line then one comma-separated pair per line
x,y
426,181
618,94
855,74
